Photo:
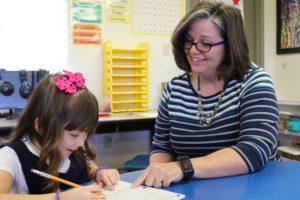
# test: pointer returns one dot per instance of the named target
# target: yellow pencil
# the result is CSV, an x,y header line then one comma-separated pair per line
x,y
43,174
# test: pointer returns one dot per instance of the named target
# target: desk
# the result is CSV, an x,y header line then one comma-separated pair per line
x,y
277,181
128,121
116,122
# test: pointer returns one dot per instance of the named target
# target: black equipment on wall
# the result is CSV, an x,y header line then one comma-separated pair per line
x,y
24,80
6,88
25,88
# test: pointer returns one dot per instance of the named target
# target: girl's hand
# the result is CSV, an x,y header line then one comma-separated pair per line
x,y
107,178
82,193
159,175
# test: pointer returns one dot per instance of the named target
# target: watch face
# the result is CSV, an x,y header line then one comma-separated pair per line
x,y
186,166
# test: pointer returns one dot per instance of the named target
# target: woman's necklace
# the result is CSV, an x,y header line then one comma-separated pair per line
x,y
206,119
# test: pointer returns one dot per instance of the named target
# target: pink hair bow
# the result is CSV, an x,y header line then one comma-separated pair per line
x,y
69,82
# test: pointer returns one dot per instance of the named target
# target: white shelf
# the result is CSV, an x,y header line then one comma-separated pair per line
x,y
290,150
285,113
289,102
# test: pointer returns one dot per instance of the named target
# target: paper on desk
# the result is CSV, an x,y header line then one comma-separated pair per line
x,y
124,192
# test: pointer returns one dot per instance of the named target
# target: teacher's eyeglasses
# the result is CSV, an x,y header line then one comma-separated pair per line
x,y
201,46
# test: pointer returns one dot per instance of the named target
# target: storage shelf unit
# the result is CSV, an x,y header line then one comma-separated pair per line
x,y
126,77
288,140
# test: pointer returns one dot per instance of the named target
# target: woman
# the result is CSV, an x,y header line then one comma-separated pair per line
x,y
220,118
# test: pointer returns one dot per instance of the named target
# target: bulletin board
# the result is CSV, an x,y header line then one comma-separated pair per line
x,y
158,17
86,18
118,11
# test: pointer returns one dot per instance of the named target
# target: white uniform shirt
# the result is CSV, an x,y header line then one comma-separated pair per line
x,y
10,163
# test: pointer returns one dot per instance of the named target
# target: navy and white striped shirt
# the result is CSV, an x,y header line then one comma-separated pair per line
x,y
247,120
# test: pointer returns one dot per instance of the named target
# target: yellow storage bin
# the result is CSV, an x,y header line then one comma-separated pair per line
x,y
126,77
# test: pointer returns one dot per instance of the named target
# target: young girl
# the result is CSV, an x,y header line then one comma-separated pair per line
x,y
52,136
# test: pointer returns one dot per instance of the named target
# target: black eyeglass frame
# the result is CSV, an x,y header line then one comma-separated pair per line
x,y
204,43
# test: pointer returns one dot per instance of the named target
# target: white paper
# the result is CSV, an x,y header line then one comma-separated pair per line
x,y
124,192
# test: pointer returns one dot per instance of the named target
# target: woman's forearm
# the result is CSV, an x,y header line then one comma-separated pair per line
x,y
225,162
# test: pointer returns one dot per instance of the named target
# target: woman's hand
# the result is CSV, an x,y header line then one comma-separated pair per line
x,y
107,178
90,192
159,175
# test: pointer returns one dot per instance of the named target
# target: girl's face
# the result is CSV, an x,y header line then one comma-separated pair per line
x,y
205,63
71,141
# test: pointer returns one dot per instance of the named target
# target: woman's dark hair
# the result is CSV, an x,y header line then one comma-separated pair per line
x,y
229,21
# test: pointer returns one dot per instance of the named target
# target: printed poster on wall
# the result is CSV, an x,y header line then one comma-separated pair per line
x,y
118,11
155,17
86,18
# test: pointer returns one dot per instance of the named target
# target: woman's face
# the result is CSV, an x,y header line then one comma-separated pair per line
x,y
71,141
205,63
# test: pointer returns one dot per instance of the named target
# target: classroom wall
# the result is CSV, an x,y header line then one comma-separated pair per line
x,y
113,149
161,63
32,36
45,47
284,68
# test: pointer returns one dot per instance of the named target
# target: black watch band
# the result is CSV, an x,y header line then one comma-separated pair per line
x,y
186,166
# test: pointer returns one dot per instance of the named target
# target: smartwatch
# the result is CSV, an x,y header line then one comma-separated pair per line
x,y
186,166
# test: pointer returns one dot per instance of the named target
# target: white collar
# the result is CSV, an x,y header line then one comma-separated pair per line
x,y
65,165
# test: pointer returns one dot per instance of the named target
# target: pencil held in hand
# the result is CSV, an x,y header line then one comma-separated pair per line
x,y
55,178
43,174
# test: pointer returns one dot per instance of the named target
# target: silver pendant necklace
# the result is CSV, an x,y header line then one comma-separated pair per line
x,y
206,119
